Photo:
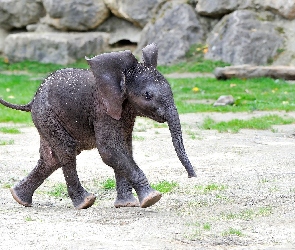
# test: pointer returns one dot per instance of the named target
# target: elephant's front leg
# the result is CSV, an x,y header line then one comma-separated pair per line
x,y
124,165
125,197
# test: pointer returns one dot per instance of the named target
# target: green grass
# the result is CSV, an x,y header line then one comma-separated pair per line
x,y
108,184
235,125
4,142
28,218
248,214
38,68
9,130
250,94
137,138
210,188
164,186
59,190
6,185
232,231
18,89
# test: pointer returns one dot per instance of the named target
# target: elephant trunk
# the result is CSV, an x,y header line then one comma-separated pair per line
x,y
176,134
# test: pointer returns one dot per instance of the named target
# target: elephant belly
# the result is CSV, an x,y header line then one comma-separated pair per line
x,y
80,127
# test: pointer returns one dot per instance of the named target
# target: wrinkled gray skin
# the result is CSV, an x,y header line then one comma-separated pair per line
x,y
77,109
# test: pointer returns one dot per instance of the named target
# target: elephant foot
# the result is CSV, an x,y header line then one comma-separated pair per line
x,y
126,202
150,199
86,201
21,198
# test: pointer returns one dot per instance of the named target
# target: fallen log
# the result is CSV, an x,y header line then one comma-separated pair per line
x,y
249,71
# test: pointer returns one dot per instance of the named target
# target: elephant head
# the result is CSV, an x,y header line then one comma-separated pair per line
x,y
121,77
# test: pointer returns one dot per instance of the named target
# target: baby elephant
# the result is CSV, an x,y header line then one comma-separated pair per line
x,y
78,109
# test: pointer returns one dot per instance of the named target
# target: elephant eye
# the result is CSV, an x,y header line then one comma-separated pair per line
x,y
148,96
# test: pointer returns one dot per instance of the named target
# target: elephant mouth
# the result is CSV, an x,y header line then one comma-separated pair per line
x,y
156,117
159,119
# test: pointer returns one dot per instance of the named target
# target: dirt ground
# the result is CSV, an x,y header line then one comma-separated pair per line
x,y
250,204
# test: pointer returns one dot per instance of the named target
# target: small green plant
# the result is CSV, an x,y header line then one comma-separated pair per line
x,y
4,143
7,185
109,184
164,186
235,125
265,211
9,130
137,138
160,125
210,188
59,190
28,218
232,231
192,134
280,30
248,214
207,226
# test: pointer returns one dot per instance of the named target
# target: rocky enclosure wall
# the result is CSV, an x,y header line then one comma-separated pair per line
x,y
239,32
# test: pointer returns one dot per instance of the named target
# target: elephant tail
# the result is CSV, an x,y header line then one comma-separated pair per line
x,y
26,107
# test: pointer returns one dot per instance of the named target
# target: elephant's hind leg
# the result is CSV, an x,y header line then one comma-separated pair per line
x,y
125,198
66,149
47,164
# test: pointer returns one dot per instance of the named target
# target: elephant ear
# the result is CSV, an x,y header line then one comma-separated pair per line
x,y
108,70
150,55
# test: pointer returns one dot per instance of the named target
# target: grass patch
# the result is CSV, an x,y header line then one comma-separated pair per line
x,y
232,231
59,191
160,125
9,130
28,218
210,188
137,138
37,67
192,134
18,89
198,229
4,143
164,186
235,125
207,226
6,185
190,95
248,214
108,184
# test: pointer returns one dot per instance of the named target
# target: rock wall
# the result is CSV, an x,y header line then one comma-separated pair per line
x,y
257,32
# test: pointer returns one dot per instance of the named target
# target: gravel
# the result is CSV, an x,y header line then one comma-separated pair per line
x,y
243,197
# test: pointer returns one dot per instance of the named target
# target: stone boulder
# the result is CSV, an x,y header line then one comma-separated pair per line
x,y
18,14
120,30
285,8
242,38
61,48
215,8
3,34
174,29
75,15
138,12
249,71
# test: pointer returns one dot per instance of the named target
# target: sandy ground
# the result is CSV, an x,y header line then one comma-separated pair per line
x,y
250,204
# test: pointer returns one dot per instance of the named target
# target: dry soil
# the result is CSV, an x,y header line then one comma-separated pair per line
x,y
243,197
